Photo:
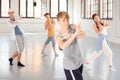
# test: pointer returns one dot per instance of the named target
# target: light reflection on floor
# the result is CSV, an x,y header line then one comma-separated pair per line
x,y
51,67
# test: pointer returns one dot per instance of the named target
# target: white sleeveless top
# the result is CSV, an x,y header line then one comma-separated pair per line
x,y
104,31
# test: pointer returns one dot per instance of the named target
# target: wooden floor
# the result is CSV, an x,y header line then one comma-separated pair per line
x,y
51,67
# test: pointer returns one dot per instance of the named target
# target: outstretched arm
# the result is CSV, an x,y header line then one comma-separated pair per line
x,y
16,21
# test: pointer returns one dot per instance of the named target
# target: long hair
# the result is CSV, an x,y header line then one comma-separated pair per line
x,y
93,16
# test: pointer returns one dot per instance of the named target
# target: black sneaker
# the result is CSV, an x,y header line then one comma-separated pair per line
x,y
10,60
20,64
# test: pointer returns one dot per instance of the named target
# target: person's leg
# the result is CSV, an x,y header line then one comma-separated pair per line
x,y
20,48
19,57
53,46
45,45
98,50
68,75
13,56
108,53
43,49
78,73
81,68
93,56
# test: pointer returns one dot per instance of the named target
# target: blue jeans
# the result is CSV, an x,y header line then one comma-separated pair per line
x,y
101,37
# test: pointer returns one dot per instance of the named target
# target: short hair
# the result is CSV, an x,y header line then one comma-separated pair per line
x,y
63,15
46,14
94,15
10,11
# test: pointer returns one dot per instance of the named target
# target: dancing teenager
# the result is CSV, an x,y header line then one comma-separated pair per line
x,y
49,25
16,36
100,28
67,41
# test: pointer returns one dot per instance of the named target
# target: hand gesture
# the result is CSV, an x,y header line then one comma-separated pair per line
x,y
20,17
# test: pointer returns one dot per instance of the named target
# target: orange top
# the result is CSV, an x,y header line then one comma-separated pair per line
x,y
50,28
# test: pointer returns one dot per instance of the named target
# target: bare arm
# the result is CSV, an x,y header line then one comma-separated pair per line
x,y
105,25
16,21
46,25
80,34
52,22
98,31
49,23
63,44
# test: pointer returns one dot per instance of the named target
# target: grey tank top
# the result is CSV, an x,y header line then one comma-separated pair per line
x,y
72,55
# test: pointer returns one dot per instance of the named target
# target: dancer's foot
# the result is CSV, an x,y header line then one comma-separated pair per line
x,y
20,64
87,62
43,54
87,67
11,60
111,68
56,55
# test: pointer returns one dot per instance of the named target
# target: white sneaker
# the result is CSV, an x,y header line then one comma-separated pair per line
x,y
43,54
56,55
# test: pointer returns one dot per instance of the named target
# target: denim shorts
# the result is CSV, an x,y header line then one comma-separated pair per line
x,y
50,39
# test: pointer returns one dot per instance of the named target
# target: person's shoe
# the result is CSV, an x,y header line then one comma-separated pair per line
x,y
56,55
87,62
43,54
111,68
87,67
20,64
10,60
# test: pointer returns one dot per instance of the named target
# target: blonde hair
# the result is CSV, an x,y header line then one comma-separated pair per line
x,y
63,15
10,11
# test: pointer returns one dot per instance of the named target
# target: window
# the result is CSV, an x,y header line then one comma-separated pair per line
x,y
43,7
94,7
57,6
106,9
82,8
63,5
26,8
110,9
88,9
4,7
91,7
23,8
37,9
102,7
53,8
32,8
